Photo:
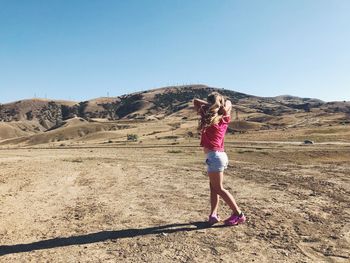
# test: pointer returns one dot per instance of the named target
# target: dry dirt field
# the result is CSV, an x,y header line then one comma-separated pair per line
x,y
141,203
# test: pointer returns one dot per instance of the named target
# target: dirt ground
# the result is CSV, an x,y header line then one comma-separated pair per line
x,y
144,204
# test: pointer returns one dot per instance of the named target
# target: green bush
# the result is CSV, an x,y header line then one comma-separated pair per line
x,y
132,137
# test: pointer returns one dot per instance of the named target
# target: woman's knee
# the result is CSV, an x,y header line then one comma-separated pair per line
x,y
219,189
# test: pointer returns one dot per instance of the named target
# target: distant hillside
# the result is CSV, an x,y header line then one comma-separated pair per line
x,y
38,115
162,101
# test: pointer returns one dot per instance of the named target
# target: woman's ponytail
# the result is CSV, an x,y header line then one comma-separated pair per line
x,y
214,111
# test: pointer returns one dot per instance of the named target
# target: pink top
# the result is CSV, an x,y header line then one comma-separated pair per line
x,y
212,137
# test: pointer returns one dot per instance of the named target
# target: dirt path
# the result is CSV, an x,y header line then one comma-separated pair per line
x,y
148,205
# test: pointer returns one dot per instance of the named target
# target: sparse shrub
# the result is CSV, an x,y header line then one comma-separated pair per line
x,y
66,112
264,153
174,151
74,160
245,151
190,134
132,137
175,125
170,137
129,104
29,115
81,108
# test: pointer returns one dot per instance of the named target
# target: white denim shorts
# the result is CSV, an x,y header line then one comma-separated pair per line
x,y
216,161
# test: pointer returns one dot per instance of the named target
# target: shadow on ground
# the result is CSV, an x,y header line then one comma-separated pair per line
x,y
102,236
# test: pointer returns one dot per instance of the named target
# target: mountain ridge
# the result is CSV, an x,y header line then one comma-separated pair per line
x,y
34,116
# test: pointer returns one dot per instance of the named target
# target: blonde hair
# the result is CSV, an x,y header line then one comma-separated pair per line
x,y
214,111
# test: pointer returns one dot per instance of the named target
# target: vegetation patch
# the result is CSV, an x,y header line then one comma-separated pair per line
x,y
75,160
132,137
174,151
245,151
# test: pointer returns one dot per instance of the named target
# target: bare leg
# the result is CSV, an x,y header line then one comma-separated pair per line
x,y
216,179
214,201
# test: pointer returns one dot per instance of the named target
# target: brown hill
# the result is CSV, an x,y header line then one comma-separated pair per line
x,y
44,121
163,101
8,130
75,129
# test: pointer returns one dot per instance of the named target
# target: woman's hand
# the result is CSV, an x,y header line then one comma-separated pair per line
x,y
198,104
228,107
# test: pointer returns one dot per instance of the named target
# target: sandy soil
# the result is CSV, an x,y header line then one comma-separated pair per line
x,y
149,205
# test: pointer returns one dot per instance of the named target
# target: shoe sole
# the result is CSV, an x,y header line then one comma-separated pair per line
x,y
227,223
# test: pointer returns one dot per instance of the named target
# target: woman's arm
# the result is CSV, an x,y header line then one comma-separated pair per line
x,y
198,104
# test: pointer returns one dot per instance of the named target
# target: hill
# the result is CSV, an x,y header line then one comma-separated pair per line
x,y
43,121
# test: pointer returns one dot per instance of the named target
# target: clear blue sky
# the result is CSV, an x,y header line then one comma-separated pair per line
x,y
82,49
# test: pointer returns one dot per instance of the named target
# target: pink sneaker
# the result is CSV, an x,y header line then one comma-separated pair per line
x,y
213,219
234,220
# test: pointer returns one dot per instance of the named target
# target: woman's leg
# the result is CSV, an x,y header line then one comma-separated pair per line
x,y
216,180
214,201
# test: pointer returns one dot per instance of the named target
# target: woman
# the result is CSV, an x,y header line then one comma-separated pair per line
x,y
215,117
